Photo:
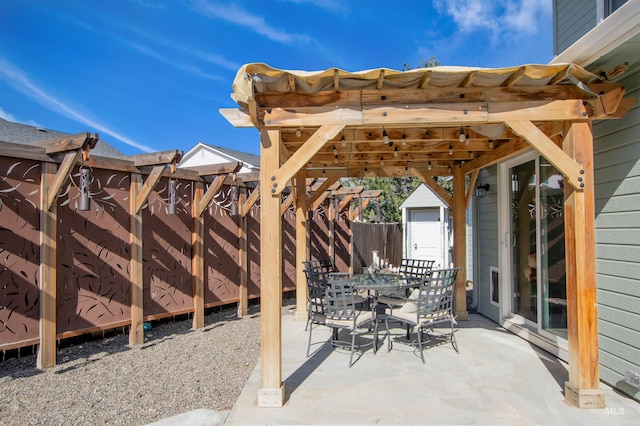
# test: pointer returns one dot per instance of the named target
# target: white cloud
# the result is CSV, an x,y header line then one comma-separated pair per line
x,y
19,81
512,18
206,56
191,69
9,117
236,15
330,5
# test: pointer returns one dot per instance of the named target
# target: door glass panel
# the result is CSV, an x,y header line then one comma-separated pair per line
x,y
523,243
552,261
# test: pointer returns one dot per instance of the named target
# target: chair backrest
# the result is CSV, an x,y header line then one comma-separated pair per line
x,y
415,268
435,299
339,301
316,286
320,265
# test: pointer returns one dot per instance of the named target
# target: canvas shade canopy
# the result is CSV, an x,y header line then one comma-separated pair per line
x,y
441,121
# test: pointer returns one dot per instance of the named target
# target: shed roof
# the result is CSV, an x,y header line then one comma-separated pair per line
x,y
422,197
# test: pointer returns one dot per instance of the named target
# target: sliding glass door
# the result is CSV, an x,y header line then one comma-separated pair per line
x,y
535,256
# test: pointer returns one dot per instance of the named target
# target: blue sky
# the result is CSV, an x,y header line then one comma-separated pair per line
x,y
150,75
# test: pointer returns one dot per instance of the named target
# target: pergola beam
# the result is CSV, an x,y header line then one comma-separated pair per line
x,y
84,140
279,179
451,114
321,191
216,169
156,158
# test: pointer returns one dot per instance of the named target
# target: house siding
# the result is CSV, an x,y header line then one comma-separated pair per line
x,y
571,22
617,189
487,244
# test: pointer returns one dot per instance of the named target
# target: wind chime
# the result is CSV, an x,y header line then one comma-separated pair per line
x,y
172,185
86,176
235,192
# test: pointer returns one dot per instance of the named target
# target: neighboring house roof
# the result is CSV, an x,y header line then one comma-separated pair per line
x,y
422,196
250,161
25,134
245,157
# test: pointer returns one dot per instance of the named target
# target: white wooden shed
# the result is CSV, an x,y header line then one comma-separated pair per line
x,y
426,227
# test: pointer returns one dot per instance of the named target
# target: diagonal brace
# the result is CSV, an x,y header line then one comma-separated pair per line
x,y
537,139
302,156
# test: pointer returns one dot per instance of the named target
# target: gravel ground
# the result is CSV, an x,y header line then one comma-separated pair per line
x,y
105,381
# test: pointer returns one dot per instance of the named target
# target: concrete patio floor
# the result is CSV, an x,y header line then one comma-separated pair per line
x,y
498,378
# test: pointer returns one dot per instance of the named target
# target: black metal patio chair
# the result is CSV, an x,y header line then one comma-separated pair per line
x,y
344,311
431,307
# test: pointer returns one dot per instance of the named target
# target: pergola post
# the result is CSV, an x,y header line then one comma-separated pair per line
x,y
271,392
301,245
583,387
460,243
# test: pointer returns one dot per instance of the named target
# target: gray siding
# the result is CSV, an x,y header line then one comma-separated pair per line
x,y
571,20
617,168
487,244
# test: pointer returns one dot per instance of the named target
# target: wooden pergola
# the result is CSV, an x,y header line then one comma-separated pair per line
x,y
443,121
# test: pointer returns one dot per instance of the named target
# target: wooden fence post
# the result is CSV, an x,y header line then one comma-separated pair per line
x,y
197,257
243,258
136,333
48,238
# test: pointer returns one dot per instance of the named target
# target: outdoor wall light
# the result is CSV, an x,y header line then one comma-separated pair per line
x,y
85,188
171,202
234,200
482,190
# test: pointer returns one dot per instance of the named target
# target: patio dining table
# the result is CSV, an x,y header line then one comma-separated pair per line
x,y
383,282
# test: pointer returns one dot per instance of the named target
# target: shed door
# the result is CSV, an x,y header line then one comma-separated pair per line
x,y
425,241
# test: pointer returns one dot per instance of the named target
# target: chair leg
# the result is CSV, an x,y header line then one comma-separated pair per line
x,y
353,345
309,345
420,343
453,339
375,336
388,335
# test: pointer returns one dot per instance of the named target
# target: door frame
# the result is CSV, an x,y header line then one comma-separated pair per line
x,y
528,330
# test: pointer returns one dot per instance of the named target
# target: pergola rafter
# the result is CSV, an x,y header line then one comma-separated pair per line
x,y
427,122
